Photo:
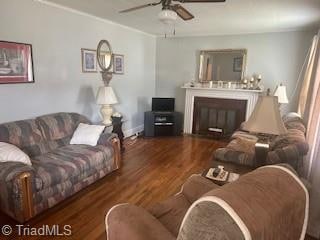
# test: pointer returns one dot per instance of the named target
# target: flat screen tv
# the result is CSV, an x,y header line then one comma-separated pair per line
x,y
163,104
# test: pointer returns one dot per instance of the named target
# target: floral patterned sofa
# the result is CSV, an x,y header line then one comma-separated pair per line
x,y
58,169
287,148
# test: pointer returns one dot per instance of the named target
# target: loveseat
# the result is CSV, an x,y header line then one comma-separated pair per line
x,y
287,148
58,169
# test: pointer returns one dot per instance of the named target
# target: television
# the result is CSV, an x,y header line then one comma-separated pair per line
x,y
163,104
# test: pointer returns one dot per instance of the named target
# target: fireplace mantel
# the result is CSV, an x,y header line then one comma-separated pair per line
x,y
251,96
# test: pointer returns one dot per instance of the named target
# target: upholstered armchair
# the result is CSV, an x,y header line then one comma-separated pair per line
x,y
268,203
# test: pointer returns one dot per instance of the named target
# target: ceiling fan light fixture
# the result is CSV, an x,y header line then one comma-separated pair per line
x,y
167,16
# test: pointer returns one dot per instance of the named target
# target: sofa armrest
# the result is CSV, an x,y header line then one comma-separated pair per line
x,y
117,152
112,140
127,221
17,186
106,138
229,155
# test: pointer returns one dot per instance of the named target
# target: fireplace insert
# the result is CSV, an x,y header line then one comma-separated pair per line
x,y
217,117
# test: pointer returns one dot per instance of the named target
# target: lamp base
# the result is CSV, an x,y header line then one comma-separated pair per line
x,y
261,152
106,112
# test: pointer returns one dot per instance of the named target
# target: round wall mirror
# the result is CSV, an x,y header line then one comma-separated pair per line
x,y
104,55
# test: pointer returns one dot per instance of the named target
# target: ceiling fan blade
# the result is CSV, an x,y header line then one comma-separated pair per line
x,y
182,12
140,7
199,1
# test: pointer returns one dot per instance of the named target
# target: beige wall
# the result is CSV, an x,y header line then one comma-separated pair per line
x,y
57,36
277,56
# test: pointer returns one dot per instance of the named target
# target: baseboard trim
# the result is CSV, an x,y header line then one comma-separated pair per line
x,y
133,131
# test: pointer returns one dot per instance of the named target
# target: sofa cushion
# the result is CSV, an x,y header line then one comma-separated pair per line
x,y
70,162
228,155
196,186
245,145
26,135
87,134
126,221
11,153
171,212
293,136
48,197
59,126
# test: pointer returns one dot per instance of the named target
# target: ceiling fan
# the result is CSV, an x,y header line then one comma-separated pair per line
x,y
170,11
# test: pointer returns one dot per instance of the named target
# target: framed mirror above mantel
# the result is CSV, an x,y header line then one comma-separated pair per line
x,y
222,65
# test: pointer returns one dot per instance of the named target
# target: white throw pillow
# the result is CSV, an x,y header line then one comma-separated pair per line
x,y
11,153
87,134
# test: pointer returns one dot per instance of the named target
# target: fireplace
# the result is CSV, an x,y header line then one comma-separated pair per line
x,y
238,104
217,117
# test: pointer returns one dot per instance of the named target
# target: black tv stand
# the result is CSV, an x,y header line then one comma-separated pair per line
x,y
162,123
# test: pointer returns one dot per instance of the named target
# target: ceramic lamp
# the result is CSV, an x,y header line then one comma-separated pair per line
x,y
281,93
106,98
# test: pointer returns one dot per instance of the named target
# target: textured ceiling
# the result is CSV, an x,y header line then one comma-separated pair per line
x,y
231,17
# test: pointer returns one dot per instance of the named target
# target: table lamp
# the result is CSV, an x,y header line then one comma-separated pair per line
x,y
265,121
281,93
106,97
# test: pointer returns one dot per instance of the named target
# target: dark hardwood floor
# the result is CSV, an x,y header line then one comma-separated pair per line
x,y
152,170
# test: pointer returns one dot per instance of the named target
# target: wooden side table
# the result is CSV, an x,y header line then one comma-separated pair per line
x,y
117,128
230,167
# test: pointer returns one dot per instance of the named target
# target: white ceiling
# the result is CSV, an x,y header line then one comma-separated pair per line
x,y
231,17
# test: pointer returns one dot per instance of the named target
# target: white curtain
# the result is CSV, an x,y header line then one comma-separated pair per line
x,y
309,108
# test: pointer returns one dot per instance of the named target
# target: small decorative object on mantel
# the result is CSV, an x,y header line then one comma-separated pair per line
x,y
89,60
258,85
245,84
118,64
16,64
251,85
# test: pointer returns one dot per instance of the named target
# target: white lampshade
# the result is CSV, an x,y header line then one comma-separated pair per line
x,y
106,96
281,93
266,117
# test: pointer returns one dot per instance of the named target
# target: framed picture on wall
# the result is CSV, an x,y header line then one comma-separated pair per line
x,y
118,64
16,64
237,64
89,60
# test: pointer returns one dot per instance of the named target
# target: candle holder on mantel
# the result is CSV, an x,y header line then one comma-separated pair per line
x,y
245,84
258,85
